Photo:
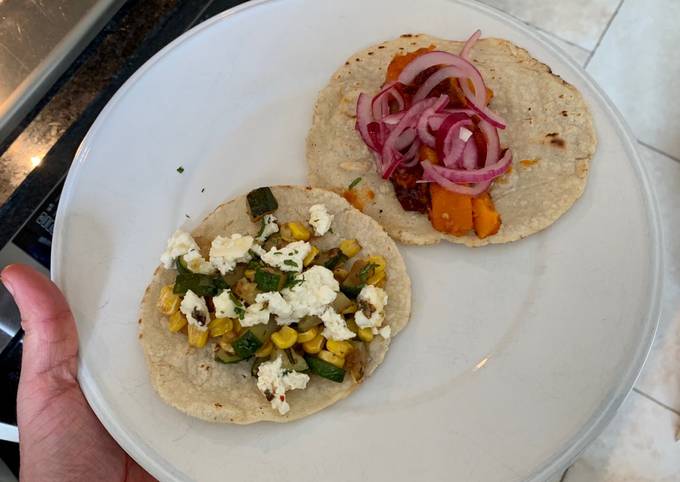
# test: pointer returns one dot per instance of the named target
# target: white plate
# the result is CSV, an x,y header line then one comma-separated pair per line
x,y
516,356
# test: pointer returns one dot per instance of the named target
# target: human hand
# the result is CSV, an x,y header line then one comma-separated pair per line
x,y
60,437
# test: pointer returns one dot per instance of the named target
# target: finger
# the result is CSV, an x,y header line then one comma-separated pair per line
x,y
51,339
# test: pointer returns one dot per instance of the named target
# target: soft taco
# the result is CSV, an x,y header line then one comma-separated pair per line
x,y
474,142
277,305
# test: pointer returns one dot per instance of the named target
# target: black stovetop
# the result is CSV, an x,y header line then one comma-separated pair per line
x,y
139,30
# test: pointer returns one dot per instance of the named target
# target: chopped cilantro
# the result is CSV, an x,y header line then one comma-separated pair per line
x,y
238,306
354,183
277,253
259,233
180,169
294,281
290,262
367,271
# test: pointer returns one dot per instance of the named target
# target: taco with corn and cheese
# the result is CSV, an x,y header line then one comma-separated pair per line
x,y
277,305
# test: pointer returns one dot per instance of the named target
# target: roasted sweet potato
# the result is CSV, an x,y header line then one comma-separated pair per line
x,y
450,212
486,219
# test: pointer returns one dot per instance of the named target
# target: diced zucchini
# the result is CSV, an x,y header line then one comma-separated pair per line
x,y
341,302
356,279
325,369
252,339
181,265
308,322
236,274
261,201
274,241
330,259
269,279
290,359
256,364
224,357
201,284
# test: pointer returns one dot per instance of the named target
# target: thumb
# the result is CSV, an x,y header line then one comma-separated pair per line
x,y
51,339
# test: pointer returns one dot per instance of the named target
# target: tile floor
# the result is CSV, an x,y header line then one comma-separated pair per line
x,y
628,47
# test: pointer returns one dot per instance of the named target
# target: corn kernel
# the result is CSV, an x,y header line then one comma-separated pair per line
x,y
332,358
314,345
265,350
308,335
379,271
285,337
310,256
350,247
378,277
340,348
177,321
379,261
197,337
229,336
365,334
249,274
299,232
219,326
286,233
168,302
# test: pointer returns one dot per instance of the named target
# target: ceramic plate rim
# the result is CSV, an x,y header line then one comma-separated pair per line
x,y
149,459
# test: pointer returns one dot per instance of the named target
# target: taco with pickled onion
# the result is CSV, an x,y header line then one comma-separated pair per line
x,y
471,142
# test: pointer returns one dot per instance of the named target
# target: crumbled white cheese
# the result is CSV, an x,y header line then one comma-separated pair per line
x,y
196,310
197,263
314,290
255,314
464,134
224,305
225,253
269,227
258,250
385,331
320,219
273,381
276,306
335,326
288,258
371,312
182,244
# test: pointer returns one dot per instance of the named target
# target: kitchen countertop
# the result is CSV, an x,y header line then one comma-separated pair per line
x,y
627,46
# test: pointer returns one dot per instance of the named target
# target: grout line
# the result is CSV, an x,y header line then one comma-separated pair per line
x,y
534,27
606,28
652,399
552,35
658,151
